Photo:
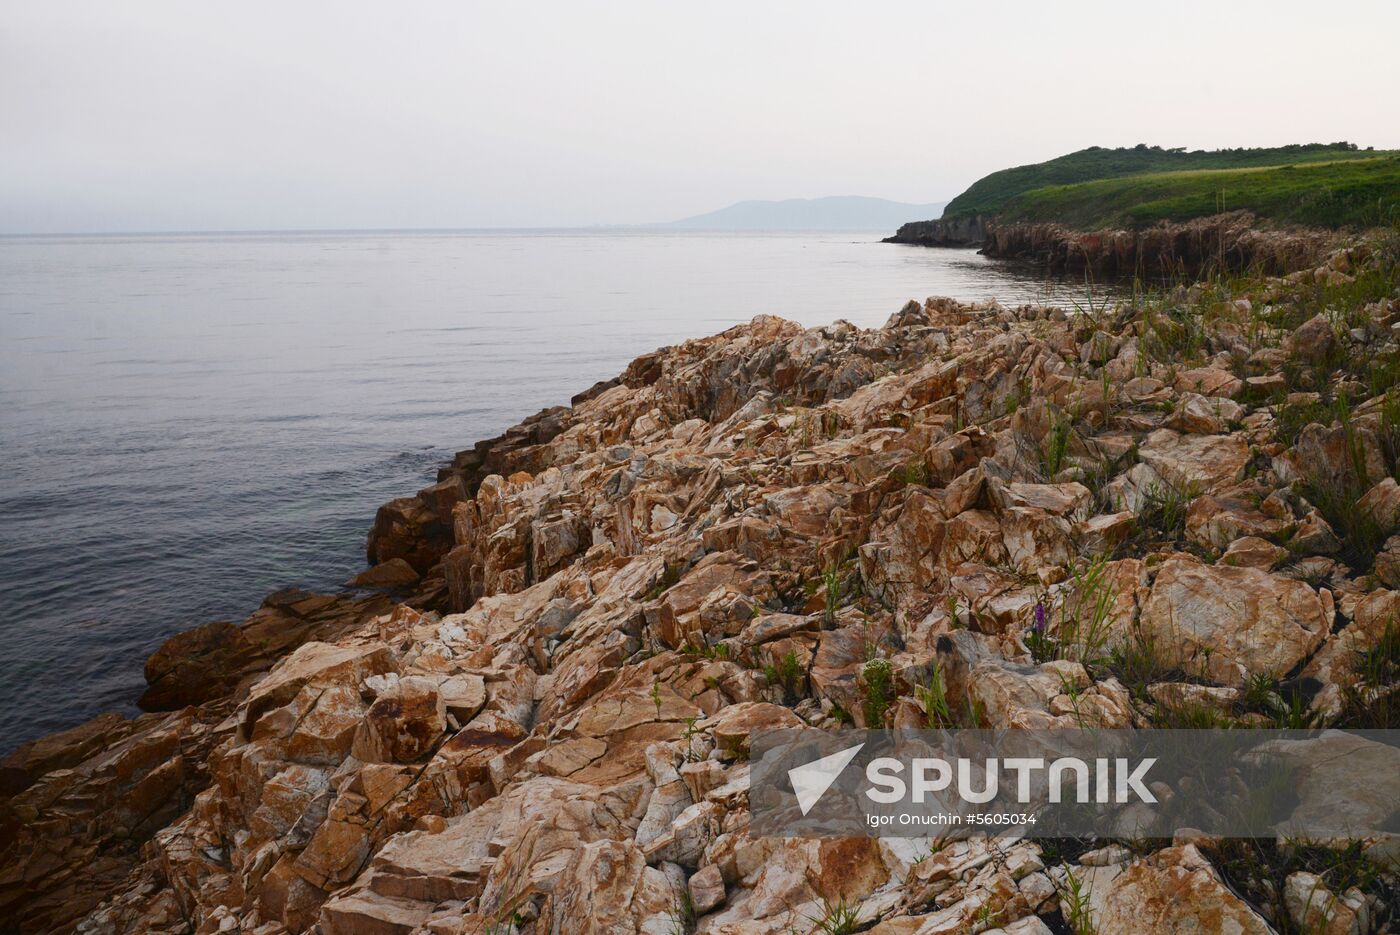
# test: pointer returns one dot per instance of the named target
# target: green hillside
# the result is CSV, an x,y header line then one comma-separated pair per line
x,y
1353,192
1008,192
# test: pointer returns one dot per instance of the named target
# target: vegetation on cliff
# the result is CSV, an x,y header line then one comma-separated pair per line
x,y
993,194
1349,193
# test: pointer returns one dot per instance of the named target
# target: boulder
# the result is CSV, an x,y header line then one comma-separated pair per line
x,y
1173,890
1314,340
1253,552
1200,463
404,723
395,573
195,666
1228,623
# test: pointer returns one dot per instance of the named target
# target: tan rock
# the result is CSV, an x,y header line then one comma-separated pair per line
x,y
1202,415
1209,381
1215,522
706,889
1196,462
1382,502
403,724
1315,908
732,726
1314,340
1229,623
1253,552
1173,890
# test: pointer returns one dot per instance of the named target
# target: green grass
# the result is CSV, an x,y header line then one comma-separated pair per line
x,y
1340,193
991,194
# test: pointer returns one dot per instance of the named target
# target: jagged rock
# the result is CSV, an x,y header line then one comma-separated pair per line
x,y
1202,415
1382,503
1314,340
1209,381
63,750
1189,694
1253,552
403,723
707,889
1315,908
1228,623
1198,463
1173,890
395,573
1388,563
601,607
194,666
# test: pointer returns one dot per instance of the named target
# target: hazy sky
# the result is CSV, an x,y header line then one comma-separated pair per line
x,y
152,115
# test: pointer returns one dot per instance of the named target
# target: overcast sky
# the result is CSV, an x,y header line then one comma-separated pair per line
x,y
184,115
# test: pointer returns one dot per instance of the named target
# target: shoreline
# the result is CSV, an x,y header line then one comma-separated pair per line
x,y
559,595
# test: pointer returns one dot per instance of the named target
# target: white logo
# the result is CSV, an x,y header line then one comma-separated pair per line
x,y
811,780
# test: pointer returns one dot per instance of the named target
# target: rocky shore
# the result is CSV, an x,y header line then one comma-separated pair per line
x,y
530,714
1222,244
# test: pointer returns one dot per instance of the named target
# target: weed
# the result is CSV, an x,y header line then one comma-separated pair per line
x,y
688,734
1257,868
1164,509
1056,444
877,691
933,697
1138,661
702,648
1084,616
682,913
831,590
913,473
788,673
837,918
1074,902
1337,496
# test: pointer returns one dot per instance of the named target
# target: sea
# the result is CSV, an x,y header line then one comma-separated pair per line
x,y
191,421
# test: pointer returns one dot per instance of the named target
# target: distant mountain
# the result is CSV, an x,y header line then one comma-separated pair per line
x,y
837,212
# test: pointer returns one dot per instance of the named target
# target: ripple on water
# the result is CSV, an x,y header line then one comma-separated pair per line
x,y
192,421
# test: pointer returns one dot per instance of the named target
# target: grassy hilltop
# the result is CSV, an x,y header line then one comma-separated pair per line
x,y
1316,184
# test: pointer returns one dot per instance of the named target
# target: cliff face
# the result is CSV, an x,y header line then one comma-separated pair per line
x,y
1223,243
544,729
958,232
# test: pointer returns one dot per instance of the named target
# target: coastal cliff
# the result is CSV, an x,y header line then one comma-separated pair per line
x,y
956,232
531,714
1224,243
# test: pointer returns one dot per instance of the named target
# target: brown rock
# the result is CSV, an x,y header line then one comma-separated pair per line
x,y
1196,462
195,666
403,724
1253,552
707,889
1173,890
395,573
1229,623
1314,340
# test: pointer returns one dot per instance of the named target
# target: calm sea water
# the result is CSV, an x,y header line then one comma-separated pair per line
x,y
191,421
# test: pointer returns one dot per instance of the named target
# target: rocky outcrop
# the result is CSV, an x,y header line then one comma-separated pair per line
x,y
1222,243
546,728
952,232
